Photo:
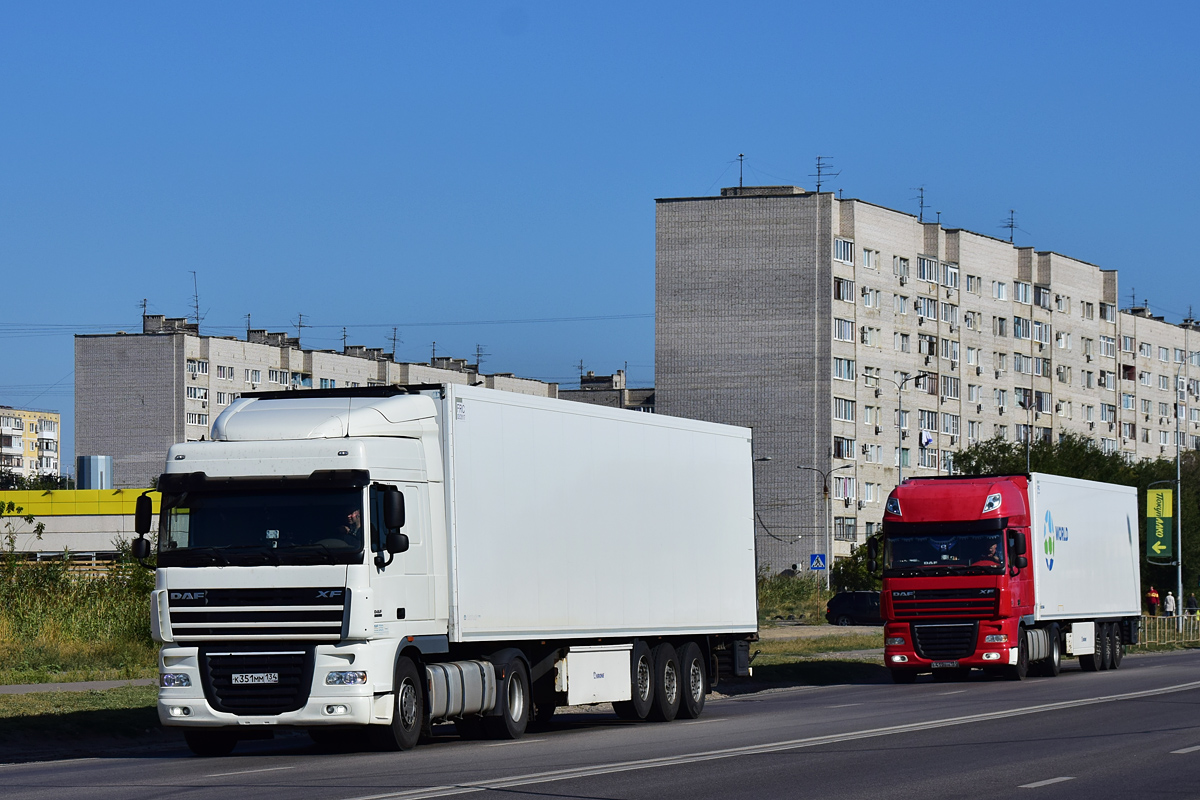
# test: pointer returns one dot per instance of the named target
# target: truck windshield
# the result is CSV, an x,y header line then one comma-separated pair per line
x,y
285,526
954,554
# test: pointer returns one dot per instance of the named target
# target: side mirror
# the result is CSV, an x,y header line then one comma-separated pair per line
x,y
139,548
1016,543
393,513
142,513
1022,562
397,542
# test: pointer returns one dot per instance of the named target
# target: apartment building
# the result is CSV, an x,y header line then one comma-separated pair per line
x,y
137,394
610,391
29,441
861,344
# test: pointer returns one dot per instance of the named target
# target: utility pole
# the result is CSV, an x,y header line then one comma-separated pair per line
x,y
393,344
741,158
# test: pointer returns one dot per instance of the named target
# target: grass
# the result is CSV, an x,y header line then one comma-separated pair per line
x,y
62,716
801,597
833,643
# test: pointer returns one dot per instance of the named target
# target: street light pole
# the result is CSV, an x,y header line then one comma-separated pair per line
x,y
828,518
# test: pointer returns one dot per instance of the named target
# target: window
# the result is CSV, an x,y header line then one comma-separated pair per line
x,y
871,376
844,529
1023,396
900,304
902,420
973,284
1108,379
1021,328
253,376
843,487
973,427
1108,445
900,341
1041,297
1128,402
927,307
197,392
197,366
974,393
870,298
1062,303
926,344
870,492
928,420
950,313
1144,378
950,276
1041,366
1000,431
1001,397
1127,344
900,268
1108,412
971,320
950,424
1164,410
1089,413
1001,361
947,461
1108,346
1147,407
278,376
1043,402
197,419
225,373
1021,363
999,290
1021,292
328,383
1062,340
1024,432
902,457
1164,437
873,453
843,448
999,326
1087,311
1164,382
1178,355
1128,430
1108,312
1064,409
1087,347
928,458
843,251
870,259
222,398
950,387
843,330
1041,332
843,369
843,289
1063,373
973,355
869,336
927,269
872,415
1146,350
950,349
843,409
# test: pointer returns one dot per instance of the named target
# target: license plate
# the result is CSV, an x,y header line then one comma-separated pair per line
x,y
944,664
240,678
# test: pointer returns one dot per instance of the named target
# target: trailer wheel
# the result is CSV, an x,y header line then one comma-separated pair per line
x,y
667,684
641,679
1118,646
904,676
1104,646
1020,670
408,714
210,744
517,701
695,682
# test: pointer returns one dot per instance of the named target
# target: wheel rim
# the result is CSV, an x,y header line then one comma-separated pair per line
x,y
696,680
408,704
643,678
516,698
670,684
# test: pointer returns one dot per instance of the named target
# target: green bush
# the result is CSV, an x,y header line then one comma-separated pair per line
x,y
800,596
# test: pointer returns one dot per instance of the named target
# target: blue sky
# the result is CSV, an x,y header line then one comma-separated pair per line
x,y
418,164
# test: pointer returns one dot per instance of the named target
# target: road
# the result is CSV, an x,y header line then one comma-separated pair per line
x,y
1132,732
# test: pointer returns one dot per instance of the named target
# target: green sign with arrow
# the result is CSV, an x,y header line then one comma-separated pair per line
x,y
1159,514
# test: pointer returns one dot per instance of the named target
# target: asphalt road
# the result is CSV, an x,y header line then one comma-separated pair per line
x,y
1134,732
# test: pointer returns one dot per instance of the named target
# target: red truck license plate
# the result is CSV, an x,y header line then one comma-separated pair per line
x,y
944,664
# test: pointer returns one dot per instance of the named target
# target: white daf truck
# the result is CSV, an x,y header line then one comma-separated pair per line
x,y
392,558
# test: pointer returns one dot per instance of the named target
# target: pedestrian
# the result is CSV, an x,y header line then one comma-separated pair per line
x,y
1193,608
1152,601
1169,605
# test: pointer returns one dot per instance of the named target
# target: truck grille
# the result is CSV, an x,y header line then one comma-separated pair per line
x,y
241,614
293,666
945,604
945,642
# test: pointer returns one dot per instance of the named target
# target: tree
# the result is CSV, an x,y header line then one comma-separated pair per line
x,y
851,574
11,517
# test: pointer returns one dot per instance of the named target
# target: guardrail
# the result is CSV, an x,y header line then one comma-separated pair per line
x,y
1170,630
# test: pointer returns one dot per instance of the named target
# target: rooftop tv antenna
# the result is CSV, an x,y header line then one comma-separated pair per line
x,y
1011,224
741,158
920,198
394,337
343,338
479,354
145,304
823,171
247,327
300,326
433,353
195,298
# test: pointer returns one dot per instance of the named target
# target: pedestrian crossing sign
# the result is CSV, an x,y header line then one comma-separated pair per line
x,y
816,561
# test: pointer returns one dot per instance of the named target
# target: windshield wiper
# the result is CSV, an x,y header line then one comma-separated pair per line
x,y
213,555
323,551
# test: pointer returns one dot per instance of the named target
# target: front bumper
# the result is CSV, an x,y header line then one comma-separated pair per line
x,y
984,655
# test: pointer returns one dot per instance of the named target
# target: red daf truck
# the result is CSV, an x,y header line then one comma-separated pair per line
x,y
1008,574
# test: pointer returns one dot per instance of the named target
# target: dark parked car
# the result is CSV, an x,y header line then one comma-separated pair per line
x,y
853,608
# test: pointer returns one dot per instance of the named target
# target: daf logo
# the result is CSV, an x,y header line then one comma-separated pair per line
x,y
329,593
187,595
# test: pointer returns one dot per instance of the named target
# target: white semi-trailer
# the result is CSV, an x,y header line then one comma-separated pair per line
x,y
392,558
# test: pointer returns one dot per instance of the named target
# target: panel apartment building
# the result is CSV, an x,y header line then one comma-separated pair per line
x,y
138,394
810,319
29,441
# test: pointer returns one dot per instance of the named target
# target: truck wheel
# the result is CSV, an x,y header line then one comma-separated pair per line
x,y
667,684
1020,670
408,714
209,744
695,682
1104,646
517,704
1118,646
904,676
1053,663
641,679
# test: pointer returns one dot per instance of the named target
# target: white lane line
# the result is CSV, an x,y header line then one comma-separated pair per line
x,y
516,741
770,747
845,705
246,772
1040,784
957,691
702,721
1185,750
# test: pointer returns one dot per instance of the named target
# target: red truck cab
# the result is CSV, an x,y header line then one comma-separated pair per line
x,y
956,581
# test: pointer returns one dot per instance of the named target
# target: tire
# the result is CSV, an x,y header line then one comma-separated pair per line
x,y
1118,646
844,620
668,685
518,704
408,711
904,676
1020,670
1051,666
694,681
209,743
1104,646
641,680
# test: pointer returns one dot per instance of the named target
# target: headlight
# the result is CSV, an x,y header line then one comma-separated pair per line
x,y
893,640
174,679
993,502
345,678
996,638
893,506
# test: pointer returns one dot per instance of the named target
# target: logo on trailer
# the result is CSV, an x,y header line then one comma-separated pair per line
x,y
1048,541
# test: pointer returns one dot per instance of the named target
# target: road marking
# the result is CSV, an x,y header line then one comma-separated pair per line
x,y
515,741
575,773
845,705
246,771
957,691
1185,750
703,721
1040,784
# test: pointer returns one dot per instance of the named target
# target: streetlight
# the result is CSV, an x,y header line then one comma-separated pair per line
x,y
899,413
828,517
